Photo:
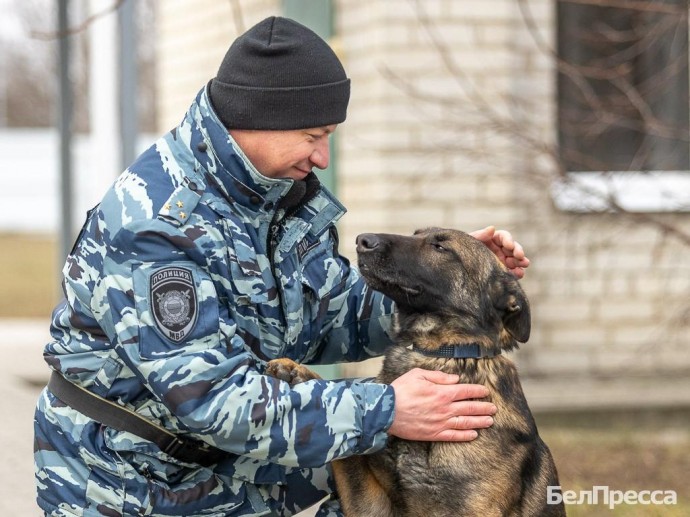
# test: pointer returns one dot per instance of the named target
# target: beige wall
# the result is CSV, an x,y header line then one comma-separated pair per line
x,y
423,146
409,162
193,36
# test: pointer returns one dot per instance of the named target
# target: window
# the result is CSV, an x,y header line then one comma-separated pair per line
x,y
623,104
623,85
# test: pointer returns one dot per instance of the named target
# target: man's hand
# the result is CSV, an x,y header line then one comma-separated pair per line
x,y
432,406
505,247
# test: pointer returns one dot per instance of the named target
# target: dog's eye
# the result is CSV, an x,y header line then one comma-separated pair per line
x,y
438,247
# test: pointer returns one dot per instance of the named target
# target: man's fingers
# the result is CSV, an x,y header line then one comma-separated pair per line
x,y
518,272
437,377
470,391
452,435
513,262
472,408
507,249
430,402
485,234
504,239
518,252
470,422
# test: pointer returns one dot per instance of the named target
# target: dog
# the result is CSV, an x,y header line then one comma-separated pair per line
x,y
458,309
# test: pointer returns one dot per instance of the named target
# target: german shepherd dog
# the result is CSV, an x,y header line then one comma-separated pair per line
x,y
458,308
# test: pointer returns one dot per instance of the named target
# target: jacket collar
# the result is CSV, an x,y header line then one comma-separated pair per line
x,y
226,165
222,166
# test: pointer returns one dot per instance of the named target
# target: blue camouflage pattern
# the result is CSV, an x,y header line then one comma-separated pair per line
x,y
185,280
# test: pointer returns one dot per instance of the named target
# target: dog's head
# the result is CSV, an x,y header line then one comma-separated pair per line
x,y
449,274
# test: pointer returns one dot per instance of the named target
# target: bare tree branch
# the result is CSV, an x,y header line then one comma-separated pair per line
x,y
80,27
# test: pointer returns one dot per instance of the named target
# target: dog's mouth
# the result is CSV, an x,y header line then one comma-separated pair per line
x,y
388,286
411,290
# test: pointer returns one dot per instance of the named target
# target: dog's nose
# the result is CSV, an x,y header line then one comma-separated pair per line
x,y
367,242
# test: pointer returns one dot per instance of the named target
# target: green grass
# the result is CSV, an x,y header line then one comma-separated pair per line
x,y
28,276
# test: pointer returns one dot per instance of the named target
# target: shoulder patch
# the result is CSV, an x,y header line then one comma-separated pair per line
x,y
180,205
174,302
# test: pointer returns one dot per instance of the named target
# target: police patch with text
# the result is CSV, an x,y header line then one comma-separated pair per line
x,y
305,247
174,302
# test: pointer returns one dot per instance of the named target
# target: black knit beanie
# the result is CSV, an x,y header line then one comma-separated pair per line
x,y
280,75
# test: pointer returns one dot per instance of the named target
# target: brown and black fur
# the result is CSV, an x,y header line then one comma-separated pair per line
x,y
449,289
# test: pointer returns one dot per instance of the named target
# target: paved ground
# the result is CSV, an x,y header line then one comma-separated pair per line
x,y
22,371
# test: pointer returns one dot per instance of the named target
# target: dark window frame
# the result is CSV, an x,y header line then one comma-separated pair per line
x,y
623,87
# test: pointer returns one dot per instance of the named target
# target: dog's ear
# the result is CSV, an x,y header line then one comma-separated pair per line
x,y
511,302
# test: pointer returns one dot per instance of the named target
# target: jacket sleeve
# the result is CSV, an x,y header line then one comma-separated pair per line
x,y
358,324
170,327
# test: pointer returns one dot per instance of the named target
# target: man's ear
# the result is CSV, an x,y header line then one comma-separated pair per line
x,y
511,302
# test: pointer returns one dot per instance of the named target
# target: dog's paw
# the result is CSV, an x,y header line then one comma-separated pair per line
x,y
289,371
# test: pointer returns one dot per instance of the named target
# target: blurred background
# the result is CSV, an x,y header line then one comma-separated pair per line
x,y
563,121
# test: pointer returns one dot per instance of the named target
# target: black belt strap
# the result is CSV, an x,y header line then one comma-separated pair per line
x,y
113,415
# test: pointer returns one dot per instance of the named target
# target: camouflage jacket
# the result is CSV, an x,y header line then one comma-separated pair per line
x,y
192,272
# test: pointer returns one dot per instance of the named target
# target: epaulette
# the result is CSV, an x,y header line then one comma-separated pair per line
x,y
180,205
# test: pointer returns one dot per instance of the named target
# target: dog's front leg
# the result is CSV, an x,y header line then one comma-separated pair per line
x,y
289,371
360,491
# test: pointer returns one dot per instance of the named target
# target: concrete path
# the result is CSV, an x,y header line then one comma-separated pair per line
x,y
23,373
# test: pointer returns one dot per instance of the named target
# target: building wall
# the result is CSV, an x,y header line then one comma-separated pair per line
x,y
451,124
432,132
413,141
456,129
193,37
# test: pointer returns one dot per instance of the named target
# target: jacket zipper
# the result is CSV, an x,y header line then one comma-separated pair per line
x,y
271,239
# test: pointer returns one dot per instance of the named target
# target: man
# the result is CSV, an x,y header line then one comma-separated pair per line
x,y
213,253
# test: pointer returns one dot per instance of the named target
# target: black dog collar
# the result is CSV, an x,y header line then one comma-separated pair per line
x,y
467,351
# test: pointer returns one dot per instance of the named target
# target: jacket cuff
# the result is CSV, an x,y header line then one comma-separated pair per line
x,y
376,404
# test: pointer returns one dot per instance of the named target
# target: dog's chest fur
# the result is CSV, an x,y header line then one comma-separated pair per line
x,y
452,474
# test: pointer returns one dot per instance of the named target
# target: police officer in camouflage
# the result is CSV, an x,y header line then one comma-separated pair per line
x,y
213,253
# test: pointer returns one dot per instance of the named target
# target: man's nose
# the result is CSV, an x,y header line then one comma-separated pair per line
x,y
321,155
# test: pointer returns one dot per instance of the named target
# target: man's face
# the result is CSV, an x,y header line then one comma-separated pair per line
x,y
285,154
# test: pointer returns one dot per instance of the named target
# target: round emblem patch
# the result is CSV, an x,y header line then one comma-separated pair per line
x,y
174,302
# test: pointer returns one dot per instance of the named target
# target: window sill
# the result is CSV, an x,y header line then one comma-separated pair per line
x,y
584,192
